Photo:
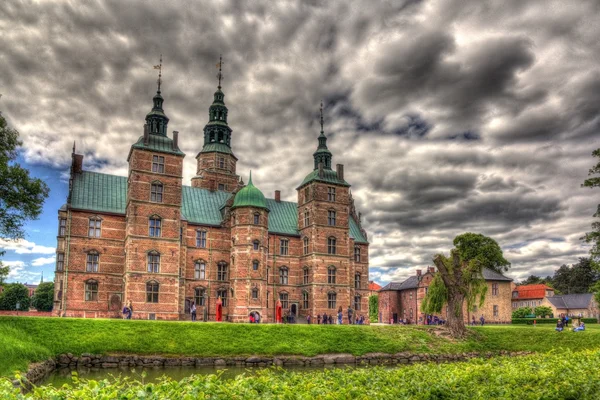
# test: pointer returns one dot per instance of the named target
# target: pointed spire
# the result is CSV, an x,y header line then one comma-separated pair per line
x,y
159,68
250,179
42,279
322,155
220,75
321,116
156,120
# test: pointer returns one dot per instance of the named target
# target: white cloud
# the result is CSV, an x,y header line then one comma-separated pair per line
x,y
18,272
23,246
38,262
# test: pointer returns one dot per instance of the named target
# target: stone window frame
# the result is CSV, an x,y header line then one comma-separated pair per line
x,y
284,275
331,217
256,218
306,217
199,292
357,254
62,227
221,162
254,294
91,292
357,277
331,194
256,245
496,310
305,244
152,291
331,245
156,191
284,247
60,261
222,187
201,238
255,265
222,271
222,293
305,299
158,164
92,261
331,300
199,269
494,289
357,301
153,261
305,275
155,226
95,226
284,297
331,274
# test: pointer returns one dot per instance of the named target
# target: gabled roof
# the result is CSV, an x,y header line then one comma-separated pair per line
x,y
162,144
491,275
571,301
374,286
329,176
537,291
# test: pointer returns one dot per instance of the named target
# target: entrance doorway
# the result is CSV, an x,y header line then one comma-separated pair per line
x,y
293,312
395,318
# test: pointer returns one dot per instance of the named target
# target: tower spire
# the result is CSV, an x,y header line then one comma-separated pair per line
x,y
322,155
321,110
159,68
220,74
250,178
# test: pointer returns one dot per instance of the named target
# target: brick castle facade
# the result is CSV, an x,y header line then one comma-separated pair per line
x,y
150,240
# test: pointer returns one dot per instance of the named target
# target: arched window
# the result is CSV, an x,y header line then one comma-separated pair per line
x,y
256,245
154,261
331,217
95,227
305,275
285,300
305,245
154,226
152,292
222,293
91,290
331,275
357,302
283,276
331,300
331,245
305,300
356,253
254,293
255,264
306,217
357,281
93,260
256,219
156,192
199,298
222,271
200,269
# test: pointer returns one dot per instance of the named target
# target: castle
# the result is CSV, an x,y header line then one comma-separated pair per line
x,y
150,240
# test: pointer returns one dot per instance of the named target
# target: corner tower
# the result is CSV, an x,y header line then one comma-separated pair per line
x,y
216,162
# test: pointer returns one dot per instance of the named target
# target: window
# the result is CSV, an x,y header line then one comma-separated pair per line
x,y
357,254
158,164
268,293
495,310
331,300
92,262
331,193
221,271
283,276
305,276
357,303
222,162
410,296
255,265
494,289
201,239
156,193
91,291
305,245
331,244
306,193
221,186
154,227
152,292
306,218
256,244
254,294
331,217
222,293
200,270
94,227
305,300
356,281
515,294
199,293
62,227
283,247
256,219
331,275
153,262
283,297
60,261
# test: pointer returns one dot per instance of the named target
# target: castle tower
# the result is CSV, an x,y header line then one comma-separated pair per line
x,y
152,236
216,163
249,233
323,222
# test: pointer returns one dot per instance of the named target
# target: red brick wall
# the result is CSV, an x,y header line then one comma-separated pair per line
x,y
209,175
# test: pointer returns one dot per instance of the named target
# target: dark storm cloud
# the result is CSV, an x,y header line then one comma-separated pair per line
x,y
448,116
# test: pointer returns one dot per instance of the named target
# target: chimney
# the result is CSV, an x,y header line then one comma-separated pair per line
x,y
340,171
146,133
432,270
77,163
175,137
418,272
321,170
278,196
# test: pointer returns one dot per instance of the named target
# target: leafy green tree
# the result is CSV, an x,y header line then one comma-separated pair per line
x,y
532,280
460,279
374,308
4,270
21,197
593,237
14,293
542,311
576,279
43,299
522,312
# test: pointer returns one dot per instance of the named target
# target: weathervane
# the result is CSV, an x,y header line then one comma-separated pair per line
x,y
321,110
220,75
159,68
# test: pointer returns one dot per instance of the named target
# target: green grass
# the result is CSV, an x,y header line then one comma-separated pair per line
x,y
24,340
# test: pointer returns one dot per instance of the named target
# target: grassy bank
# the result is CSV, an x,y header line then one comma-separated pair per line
x,y
24,340
558,376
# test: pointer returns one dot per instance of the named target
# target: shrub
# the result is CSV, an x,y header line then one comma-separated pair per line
x,y
589,320
529,321
43,299
14,293
542,311
522,312
374,308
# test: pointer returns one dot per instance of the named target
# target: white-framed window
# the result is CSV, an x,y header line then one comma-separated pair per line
x,y
93,259
331,245
221,162
357,302
152,288
201,239
305,275
199,296
62,226
222,271
357,281
153,262
356,254
331,194
331,300
154,226
305,300
283,247
284,298
331,275
331,217
306,218
283,276
256,219
496,313
305,245
494,289
200,270
91,290
222,293
60,261
95,227
156,192
254,293
158,164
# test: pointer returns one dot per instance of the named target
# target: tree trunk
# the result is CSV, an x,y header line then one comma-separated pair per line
x,y
456,321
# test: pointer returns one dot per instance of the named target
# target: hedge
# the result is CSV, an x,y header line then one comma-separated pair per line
x,y
529,321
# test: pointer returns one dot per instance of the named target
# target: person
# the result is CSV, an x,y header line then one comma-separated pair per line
x,y
534,323
473,321
318,319
193,310
579,328
482,320
257,318
559,325
349,315
251,317
130,307
566,321
125,312
308,319
330,319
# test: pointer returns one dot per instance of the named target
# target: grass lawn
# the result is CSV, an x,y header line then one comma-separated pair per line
x,y
24,340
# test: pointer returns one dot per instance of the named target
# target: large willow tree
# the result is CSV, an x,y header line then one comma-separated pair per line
x,y
460,278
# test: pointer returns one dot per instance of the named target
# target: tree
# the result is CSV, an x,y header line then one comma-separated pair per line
x,y
4,270
593,237
460,278
532,280
43,299
14,293
21,197
522,312
374,308
576,279
542,311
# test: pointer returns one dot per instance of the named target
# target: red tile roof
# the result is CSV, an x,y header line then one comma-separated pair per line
x,y
537,291
374,286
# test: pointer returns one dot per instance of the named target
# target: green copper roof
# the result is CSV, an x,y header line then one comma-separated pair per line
x,y
249,196
94,191
329,176
162,144
218,147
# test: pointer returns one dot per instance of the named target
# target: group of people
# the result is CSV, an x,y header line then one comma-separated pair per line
x,y
481,320
563,323
254,318
353,318
128,310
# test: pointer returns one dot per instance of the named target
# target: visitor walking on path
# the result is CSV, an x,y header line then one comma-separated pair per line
x,y
318,319
193,310
340,316
349,315
473,321
308,319
129,309
482,320
330,319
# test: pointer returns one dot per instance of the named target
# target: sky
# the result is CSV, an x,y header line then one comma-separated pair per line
x,y
449,116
